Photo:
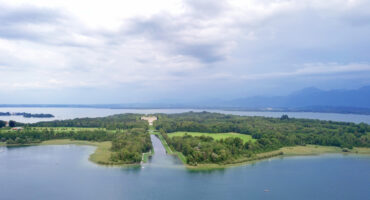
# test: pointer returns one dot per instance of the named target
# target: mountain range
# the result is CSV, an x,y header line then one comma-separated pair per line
x,y
309,97
306,100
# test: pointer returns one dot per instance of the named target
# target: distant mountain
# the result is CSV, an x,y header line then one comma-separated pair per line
x,y
306,100
309,97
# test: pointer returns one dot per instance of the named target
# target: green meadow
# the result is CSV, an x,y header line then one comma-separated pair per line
x,y
216,136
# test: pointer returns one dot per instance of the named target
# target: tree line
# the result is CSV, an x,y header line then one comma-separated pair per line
x,y
27,115
120,121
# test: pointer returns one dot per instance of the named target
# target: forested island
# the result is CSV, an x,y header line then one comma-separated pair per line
x,y
27,115
198,138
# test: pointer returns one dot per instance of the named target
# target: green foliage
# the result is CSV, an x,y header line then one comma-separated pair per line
x,y
127,133
2,123
129,147
12,123
121,121
270,134
284,117
30,135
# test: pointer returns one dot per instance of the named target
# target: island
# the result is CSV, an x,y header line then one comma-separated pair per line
x,y
201,140
27,115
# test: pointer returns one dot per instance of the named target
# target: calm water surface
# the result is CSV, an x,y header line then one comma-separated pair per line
x,y
71,113
64,172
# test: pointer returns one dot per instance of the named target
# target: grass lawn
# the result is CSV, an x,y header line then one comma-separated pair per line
x,y
216,136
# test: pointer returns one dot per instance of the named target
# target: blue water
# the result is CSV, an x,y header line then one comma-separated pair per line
x,y
64,172
71,113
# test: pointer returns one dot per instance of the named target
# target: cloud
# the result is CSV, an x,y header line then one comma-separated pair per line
x,y
164,47
23,22
27,14
184,35
312,69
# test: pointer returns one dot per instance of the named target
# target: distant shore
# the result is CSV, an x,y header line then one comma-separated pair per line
x,y
27,115
313,109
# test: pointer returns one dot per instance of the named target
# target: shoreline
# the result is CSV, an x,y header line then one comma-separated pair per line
x,y
102,153
100,156
308,150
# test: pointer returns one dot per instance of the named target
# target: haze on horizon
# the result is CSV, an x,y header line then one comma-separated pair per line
x,y
78,51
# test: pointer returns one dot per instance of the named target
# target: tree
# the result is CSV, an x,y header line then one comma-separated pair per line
x,y
12,123
2,123
284,117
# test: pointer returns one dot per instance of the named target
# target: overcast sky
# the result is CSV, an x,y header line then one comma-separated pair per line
x,y
83,51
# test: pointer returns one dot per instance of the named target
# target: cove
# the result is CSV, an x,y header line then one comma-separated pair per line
x,y
64,172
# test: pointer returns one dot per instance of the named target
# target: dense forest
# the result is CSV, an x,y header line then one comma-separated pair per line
x,y
129,147
31,135
121,121
270,134
126,131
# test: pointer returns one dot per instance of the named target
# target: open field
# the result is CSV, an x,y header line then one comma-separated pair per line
x,y
216,136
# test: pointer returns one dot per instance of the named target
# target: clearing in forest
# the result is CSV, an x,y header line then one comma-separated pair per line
x,y
216,136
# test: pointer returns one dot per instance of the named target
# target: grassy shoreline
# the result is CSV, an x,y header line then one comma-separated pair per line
x,y
101,155
308,150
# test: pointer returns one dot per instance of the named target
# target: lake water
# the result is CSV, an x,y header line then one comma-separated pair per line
x,y
64,172
71,113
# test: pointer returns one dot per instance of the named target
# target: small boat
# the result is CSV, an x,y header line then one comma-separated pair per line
x,y
266,190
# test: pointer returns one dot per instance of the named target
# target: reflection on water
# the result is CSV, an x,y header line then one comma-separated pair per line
x,y
161,158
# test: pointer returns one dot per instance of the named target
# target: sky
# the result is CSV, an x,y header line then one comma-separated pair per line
x,y
109,52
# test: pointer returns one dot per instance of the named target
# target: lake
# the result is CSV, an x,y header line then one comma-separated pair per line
x,y
71,113
64,172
